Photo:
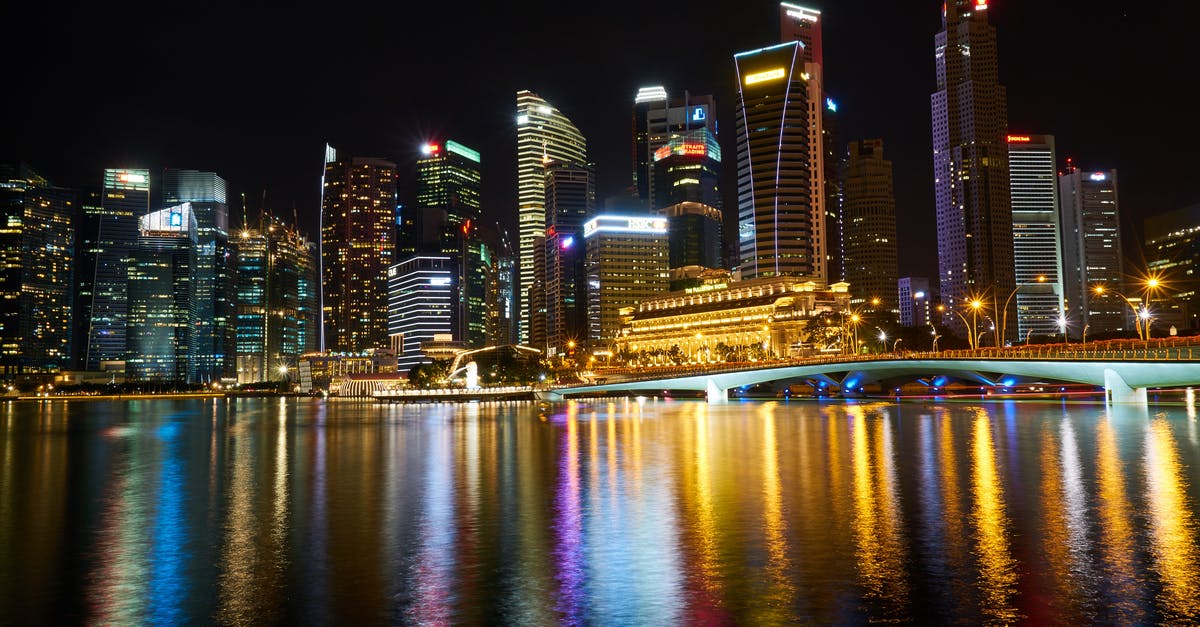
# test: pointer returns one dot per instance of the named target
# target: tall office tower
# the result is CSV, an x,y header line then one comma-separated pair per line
x,y
970,165
695,235
687,168
357,244
37,243
626,264
1037,241
803,24
656,118
535,296
915,299
834,265
110,232
420,305
779,233
1091,251
570,201
211,334
505,330
159,296
1173,254
446,221
276,300
84,270
869,227
544,135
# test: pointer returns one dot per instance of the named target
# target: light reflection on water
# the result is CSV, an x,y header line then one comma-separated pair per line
x,y
276,511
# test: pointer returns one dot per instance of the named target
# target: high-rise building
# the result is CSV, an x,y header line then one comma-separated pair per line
x,y
358,214
869,226
544,136
109,234
420,305
1037,241
1091,251
626,264
211,333
570,201
159,296
1173,255
914,300
779,231
37,244
656,118
970,162
803,24
686,180
276,300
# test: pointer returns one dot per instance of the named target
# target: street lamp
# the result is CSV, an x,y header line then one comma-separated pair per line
x,y
894,344
882,340
934,333
1004,316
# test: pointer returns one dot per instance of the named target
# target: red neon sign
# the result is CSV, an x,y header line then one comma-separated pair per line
x,y
1018,139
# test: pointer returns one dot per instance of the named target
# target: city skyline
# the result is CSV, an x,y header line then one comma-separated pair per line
x,y
264,129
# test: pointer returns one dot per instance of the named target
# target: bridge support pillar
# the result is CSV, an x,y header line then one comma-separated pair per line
x,y
716,394
548,396
1116,390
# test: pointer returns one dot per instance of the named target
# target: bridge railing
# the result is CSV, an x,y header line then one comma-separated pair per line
x,y
1165,349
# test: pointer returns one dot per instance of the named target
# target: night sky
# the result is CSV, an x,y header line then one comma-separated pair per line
x,y
254,93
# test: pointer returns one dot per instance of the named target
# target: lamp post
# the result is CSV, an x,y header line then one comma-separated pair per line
x,y
1137,315
1004,316
934,333
882,341
896,343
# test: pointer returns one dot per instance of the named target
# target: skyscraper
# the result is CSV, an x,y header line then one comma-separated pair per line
x,y
358,216
803,24
544,135
1173,254
110,232
1037,241
626,264
420,296
1091,249
779,232
37,243
570,201
970,164
159,296
656,118
869,225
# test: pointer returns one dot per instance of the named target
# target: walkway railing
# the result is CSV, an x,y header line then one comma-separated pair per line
x,y
1155,350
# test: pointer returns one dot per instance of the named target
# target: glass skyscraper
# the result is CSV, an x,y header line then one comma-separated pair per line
x,y
109,233
1037,241
420,305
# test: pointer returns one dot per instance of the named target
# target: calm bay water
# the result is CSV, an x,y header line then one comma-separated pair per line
x,y
270,511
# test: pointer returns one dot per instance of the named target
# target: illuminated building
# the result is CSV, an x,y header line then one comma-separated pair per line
x,y
627,263
803,24
37,243
109,233
1091,250
159,296
695,236
914,300
358,204
869,226
212,266
1037,241
420,305
570,199
1173,253
970,162
656,118
544,135
780,223
535,296
276,319
362,372
686,189
771,315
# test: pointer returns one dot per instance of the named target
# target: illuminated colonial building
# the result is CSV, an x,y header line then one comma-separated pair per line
x,y
37,242
358,216
970,164
626,264
544,135
772,316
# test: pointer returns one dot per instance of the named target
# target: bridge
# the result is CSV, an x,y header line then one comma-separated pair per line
x,y
1125,368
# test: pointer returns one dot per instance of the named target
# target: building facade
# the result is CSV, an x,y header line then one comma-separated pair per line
x,y
420,305
1092,252
656,118
970,162
915,298
358,214
1037,238
627,263
869,226
544,135
779,233
109,233
159,297
37,250
1173,253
